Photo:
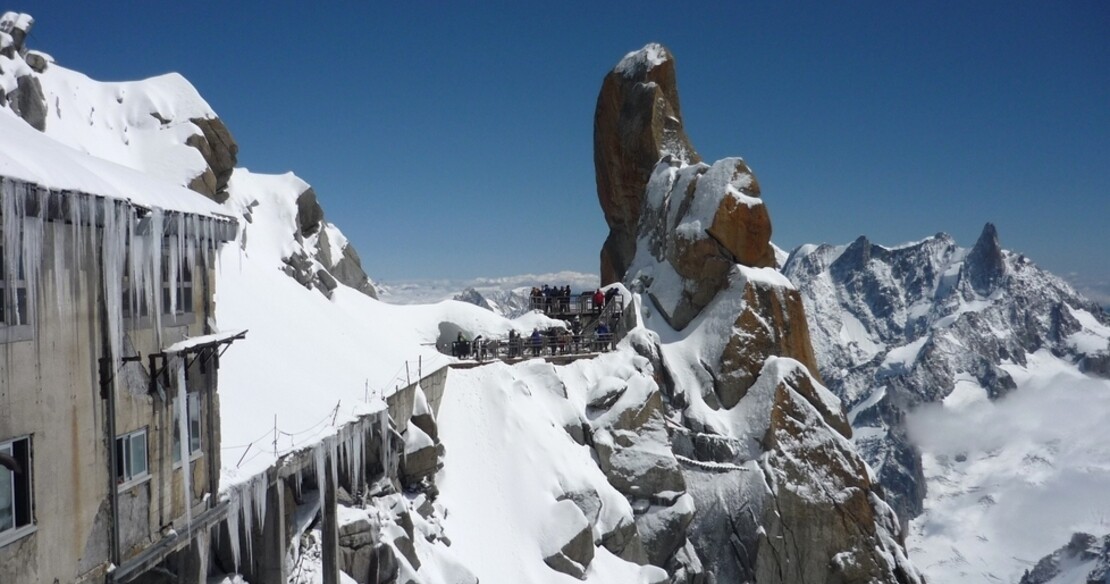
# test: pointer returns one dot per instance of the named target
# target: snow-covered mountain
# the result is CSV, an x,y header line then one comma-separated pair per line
x,y
975,382
703,447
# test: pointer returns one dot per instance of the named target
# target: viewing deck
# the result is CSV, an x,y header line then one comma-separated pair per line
x,y
599,328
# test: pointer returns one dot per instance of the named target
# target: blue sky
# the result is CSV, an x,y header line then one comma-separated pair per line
x,y
455,141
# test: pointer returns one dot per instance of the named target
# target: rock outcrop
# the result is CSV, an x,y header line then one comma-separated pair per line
x,y
221,154
1085,558
768,487
637,121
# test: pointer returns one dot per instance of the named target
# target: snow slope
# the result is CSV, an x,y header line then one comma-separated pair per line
x,y
964,373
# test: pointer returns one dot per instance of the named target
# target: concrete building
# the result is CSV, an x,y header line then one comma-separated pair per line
x,y
109,418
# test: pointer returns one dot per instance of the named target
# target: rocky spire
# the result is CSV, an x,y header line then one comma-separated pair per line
x,y
742,383
984,266
637,121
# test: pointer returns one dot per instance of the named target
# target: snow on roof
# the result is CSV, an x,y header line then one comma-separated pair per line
x,y
193,342
29,156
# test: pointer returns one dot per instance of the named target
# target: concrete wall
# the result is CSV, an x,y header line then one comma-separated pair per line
x,y
49,389
401,401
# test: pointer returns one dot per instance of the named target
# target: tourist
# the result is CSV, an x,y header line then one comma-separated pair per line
x,y
603,337
537,342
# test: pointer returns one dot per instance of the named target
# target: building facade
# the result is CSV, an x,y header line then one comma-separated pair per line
x,y
109,416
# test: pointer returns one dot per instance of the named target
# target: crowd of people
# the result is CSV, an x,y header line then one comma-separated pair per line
x,y
549,341
560,300
572,338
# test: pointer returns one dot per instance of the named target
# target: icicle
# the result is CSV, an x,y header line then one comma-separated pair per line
x,y
318,453
333,445
32,263
258,485
183,434
113,250
155,278
58,237
383,439
245,494
233,528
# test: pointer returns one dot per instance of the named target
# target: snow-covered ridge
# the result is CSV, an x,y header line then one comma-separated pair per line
x,y
956,364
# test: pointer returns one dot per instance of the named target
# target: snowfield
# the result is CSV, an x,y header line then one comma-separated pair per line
x,y
1011,480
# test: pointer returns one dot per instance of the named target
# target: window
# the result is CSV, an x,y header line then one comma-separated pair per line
x,y
192,405
177,287
134,302
15,486
131,461
13,294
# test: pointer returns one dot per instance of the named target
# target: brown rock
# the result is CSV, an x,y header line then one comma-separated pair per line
x,y
220,152
744,230
637,121
773,323
824,522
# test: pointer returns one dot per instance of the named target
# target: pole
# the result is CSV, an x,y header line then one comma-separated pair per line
x,y
275,435
407,380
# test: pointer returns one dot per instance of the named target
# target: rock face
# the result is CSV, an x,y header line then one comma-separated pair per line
x,y
1085,558
767,486
697,219
637,121
893,327
28,102
220,152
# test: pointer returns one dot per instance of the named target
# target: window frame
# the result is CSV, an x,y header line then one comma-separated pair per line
x,y
25,525
192,412
125,449
10,304
184,286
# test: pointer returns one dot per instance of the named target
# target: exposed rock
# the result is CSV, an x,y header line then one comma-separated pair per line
x,y
698,222
626,442
383,566
29,102
347,268
421,459
946,311
220,152
663,529
624,541
984,267
404,545
1086,558
826,522
588,502
772,323
685,567
310,216
36,61
18,25
637,121
575,556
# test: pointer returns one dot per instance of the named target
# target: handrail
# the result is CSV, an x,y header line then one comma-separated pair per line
x,y
563,342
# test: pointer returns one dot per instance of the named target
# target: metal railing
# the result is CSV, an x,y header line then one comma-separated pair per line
x,y
552,342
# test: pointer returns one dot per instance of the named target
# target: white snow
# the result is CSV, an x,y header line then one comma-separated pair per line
x,y
1009,481
645,59
902,358
28,155
510,460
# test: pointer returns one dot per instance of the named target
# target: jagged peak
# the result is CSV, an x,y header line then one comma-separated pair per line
x,y
985,266
988,239
638,63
